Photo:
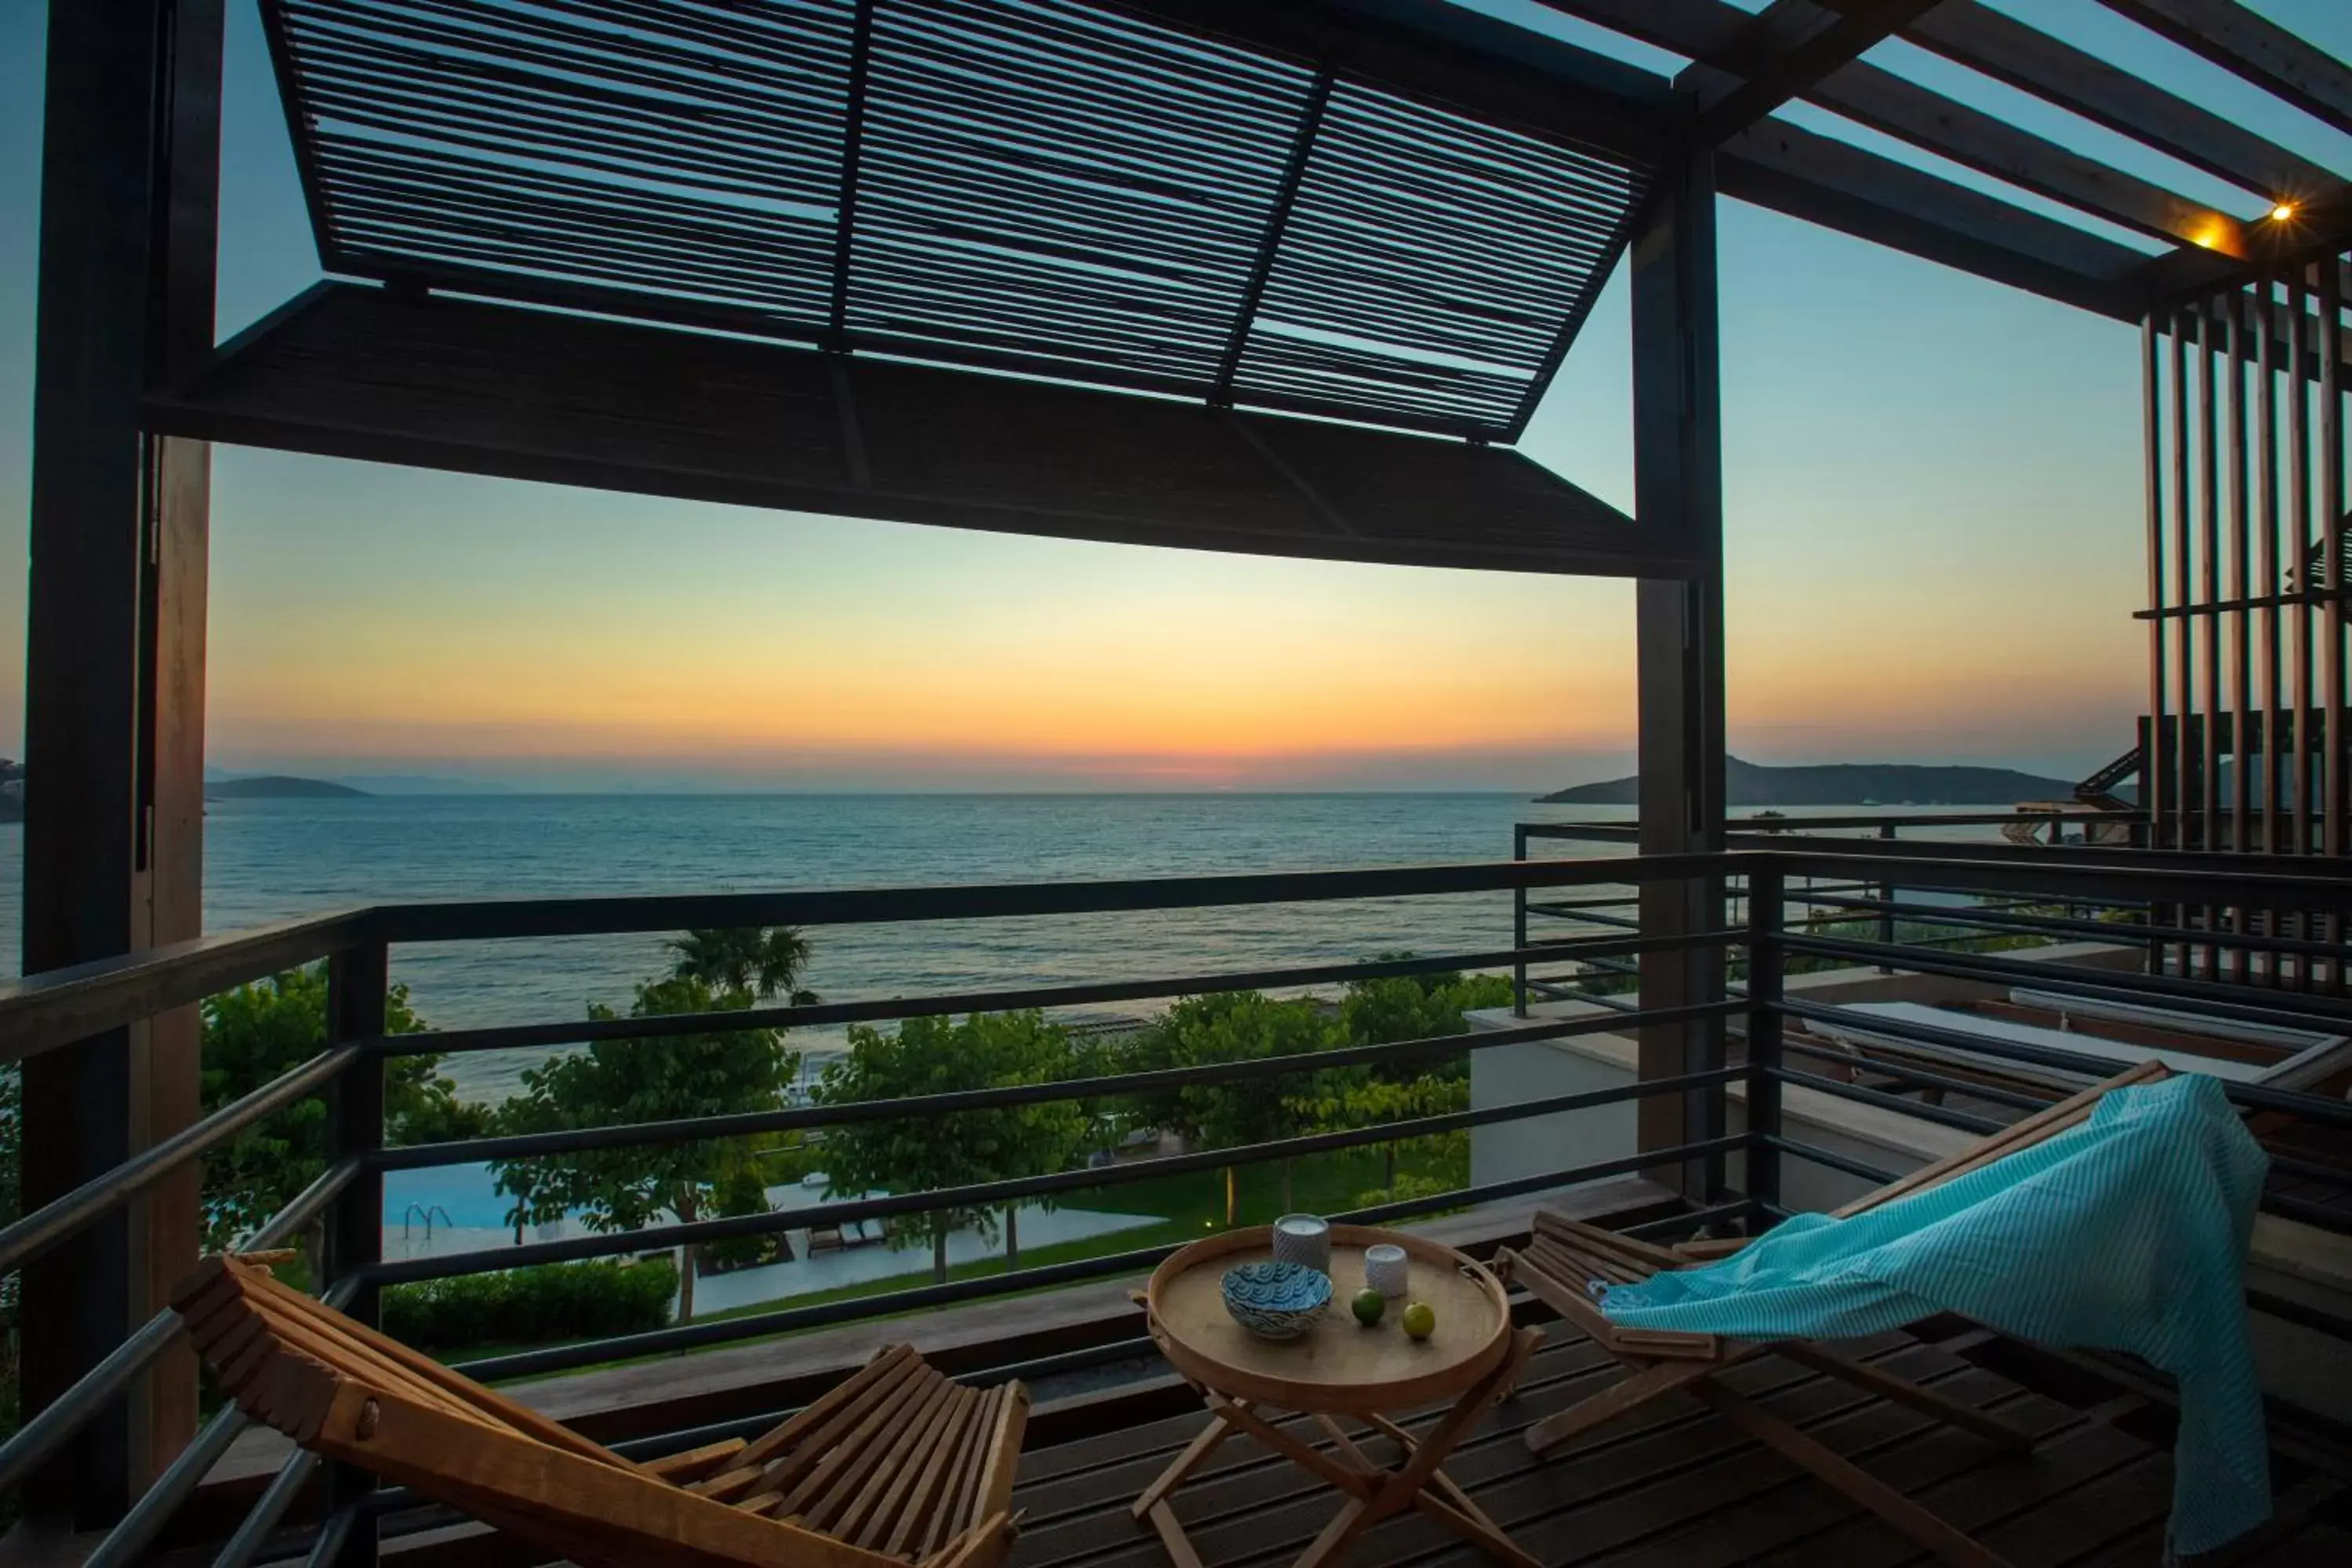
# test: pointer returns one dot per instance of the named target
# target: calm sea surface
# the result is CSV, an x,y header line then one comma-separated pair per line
x,y
267,859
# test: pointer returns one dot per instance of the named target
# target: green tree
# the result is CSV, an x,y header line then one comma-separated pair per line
x,y
258,1032
718,1072
1417,1007
766,960
945,1055
1371,1101
1238,1026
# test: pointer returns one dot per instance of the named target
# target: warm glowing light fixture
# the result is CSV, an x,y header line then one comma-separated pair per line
x,y
2282,212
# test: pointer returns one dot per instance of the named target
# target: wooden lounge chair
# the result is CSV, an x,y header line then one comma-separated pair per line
x,y
897,1465
1565,1256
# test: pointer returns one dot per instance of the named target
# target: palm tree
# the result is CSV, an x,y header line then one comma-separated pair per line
x,y
766,960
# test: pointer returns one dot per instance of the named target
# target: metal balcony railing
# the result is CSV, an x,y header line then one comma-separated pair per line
x,y
54,1011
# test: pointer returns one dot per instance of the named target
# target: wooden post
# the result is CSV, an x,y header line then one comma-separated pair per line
x,y
358,981
114,679
1678,493
1767,963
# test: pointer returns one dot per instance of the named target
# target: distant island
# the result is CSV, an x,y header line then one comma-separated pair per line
x,y
1846,783
280,786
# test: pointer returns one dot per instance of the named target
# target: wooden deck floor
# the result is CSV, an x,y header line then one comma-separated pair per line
x,y
1677,1488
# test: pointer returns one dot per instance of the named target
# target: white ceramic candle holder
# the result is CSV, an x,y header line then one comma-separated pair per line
x,y
1303,1239
1384,1268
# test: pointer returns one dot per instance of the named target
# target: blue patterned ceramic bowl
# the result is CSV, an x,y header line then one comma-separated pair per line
x,y
1276,1300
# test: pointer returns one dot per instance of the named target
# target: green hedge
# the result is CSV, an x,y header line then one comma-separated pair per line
x,y
541,1305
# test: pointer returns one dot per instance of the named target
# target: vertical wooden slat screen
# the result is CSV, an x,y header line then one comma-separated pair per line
x,y
2241,641
2329,578
2248,740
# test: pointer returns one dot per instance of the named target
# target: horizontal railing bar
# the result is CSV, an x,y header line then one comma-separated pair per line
x,y
1649,1230
2205,998
520,1145
1615,831
1829,1157
54,1422
2310,1106
2317,1170
2133,933
1520,1187
790,1320
1552,993
1799,1044
253,1531
988,1194
53,1221
2117,876
1588,916
2304,1211
328,1549
58,1006
1965,1120
2333,1325
130,1538
1020,999
488,920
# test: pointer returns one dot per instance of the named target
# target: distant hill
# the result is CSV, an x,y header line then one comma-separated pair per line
x,y
278,786
1847,784
419,783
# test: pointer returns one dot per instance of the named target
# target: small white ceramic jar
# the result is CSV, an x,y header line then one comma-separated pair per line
x,y
1303,1239
1384,1268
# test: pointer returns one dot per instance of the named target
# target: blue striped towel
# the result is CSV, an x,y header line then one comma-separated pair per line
x,y
2126,1232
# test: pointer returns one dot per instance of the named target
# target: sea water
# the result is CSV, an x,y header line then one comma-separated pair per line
x,y
272,859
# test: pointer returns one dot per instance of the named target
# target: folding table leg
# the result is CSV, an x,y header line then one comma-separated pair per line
x,y
1407,1485
1195,1454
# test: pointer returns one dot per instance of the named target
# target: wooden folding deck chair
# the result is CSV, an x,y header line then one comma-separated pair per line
x,y
1565,1258
897,1465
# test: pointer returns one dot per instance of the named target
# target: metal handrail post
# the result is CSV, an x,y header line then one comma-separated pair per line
x,y
1519,927
358,991
1767,966
1886,895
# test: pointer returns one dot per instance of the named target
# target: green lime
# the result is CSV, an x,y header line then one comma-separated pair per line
x,y
1369,1305
1420,1321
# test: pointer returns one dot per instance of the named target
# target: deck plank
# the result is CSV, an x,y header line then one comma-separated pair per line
x,y
1250,1506
1997,1489
1671,1485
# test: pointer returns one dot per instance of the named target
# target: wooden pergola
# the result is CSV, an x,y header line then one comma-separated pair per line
x,y
1268,278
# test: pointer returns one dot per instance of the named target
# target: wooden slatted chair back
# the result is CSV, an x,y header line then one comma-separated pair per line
x,y
898,1464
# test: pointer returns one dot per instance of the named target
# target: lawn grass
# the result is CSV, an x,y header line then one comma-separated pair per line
x,y
1189,1207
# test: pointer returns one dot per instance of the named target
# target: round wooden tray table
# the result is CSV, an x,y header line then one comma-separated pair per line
x,y
1341,1369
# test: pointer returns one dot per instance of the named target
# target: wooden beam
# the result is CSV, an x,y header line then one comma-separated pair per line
x,y
2250,314
114,684
1839,185
1678,492
2252,47
1782,54
1973,34
1710,32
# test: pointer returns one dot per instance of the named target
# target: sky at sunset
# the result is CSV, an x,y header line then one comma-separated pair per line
x,y
1934,546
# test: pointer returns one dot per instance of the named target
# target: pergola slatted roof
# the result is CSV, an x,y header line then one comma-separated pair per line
x,y
1043,186
1392,212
